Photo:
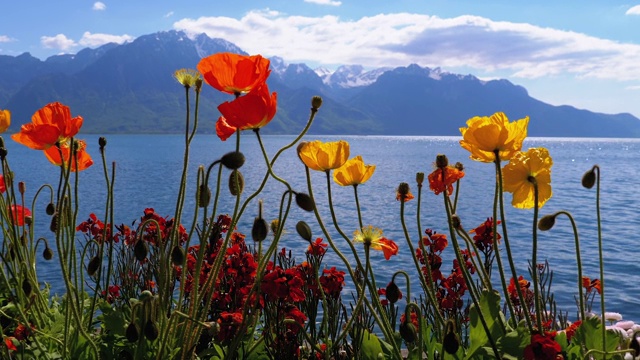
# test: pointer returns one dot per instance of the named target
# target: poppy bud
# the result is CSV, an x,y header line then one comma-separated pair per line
x,y
316,102
3,153
47,254
259,230
28,220
441,161
232,160
303,230
140,250
305,202
589,178
22,187
450,342
150,330
547,222
419,178
236,182
145,295
204,196
102,141
393,293
94,265
51,209
408,331
274,225
53,225
177,255
132,333
26,287
455,221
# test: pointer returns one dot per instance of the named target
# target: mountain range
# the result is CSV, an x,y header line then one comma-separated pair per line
x,y
129,88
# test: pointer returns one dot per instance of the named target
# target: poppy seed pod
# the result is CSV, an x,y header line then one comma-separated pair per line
x,y
204,196
94,265
403,189
140,250
26,287
47,254
150,330
303,230
177,255
232,160
316,102
259,230
305,202
132,332
408,331
547,222
393,293
51,209
442,161
419,178
589,178
236,182
102,141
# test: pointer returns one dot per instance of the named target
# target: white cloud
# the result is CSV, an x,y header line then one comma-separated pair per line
x,y
99,6
93,40
60,42
471,42
169,14
324,2
632,87
635,10
5,38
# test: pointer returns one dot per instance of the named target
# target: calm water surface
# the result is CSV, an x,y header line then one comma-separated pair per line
x,y
148,169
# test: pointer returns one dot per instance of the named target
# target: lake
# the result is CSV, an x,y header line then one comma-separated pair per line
x,y
148,169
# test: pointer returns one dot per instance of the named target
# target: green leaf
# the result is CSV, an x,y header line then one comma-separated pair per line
x,y
589,334
371,348
512,344
489,304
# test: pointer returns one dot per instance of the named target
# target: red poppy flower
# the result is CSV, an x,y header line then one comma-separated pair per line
x,y
590,285
387,246
251,111
3,186
317,248
233,73
53,123
409,196
542,348
223,129
8,341
84,160
18,213
442,179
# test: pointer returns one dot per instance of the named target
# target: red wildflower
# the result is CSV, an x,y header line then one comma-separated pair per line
x,y
524,288
233,73
542,348
298,316
8,341
571,330
3,186
49,125
317,248
442,179
332,282
483,237
590,285
229,323
62,155
285,285
18,213
223,129
251,111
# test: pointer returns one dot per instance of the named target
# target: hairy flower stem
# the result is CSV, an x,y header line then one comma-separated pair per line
x,y
534,256
355,193
596,169
500,200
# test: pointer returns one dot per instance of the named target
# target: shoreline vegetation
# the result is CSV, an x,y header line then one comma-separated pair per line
x,y
172,287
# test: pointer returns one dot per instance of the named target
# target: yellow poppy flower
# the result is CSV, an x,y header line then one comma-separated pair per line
x,y
5,120
372,236
485,135
353,172
520,172
324,156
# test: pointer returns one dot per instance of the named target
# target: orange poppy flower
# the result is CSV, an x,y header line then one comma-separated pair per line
x,y
18,213
436,182
223,129
251,111
84,159
233,73
53,123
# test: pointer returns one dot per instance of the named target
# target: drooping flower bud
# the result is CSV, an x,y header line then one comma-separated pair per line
x,y
589,178
259,230
47,254
150,330
408,331
204,196
132,332
94,265
455,221
51,209
145,296
232,160
305,202
393,293
140,250
177,255
547,222
304,230
26,287
236,182
450,342
316,102
53,225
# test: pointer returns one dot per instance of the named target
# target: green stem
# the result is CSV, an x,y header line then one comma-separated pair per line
x,y
534,261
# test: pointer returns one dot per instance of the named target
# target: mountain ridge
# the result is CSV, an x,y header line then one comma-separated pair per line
x,y
129,88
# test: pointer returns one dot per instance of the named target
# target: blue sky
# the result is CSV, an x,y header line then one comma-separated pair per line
x,y
583,53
